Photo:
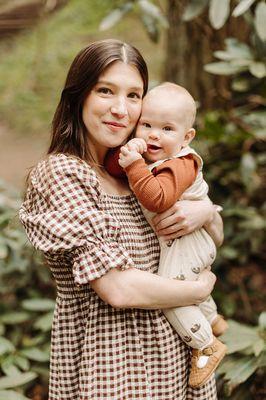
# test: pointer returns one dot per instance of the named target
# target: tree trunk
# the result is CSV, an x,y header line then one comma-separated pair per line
x,y
190,46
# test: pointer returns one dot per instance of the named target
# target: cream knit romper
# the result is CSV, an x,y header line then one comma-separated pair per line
x,y
185,258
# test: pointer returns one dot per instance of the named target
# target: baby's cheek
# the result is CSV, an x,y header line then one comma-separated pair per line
x,y
139,133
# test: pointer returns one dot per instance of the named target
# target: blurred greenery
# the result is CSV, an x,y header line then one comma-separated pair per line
x,y
36,63
230,139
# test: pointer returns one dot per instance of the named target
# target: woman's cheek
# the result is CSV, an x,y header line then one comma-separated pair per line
x,y
136,113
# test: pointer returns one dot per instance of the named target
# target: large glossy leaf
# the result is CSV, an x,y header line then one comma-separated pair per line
x,y
22,362
193,9
44,323
38,304
36,354
115,16
219,12
5,346
241,84
13,318
241,370
151,10
258,69
10,370
242,7
248,164
11,395
151,27
234,49
239,337
260,18
258,347
262,320
17,380
222,68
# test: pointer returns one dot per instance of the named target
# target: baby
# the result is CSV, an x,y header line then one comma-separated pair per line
x,y
161,169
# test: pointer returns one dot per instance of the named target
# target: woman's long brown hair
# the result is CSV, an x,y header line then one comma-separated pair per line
x,y
69,135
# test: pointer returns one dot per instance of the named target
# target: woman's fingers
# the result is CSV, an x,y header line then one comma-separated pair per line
x,y
169,222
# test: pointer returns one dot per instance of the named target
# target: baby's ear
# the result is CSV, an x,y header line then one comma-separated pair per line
x,y
189,136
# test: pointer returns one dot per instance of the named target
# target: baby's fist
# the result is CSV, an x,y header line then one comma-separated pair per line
x,y
137,144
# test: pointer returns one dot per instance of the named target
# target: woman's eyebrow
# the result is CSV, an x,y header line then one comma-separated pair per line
x,y
137,88
104,82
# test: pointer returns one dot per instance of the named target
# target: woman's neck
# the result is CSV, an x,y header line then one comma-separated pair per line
x,y
112,185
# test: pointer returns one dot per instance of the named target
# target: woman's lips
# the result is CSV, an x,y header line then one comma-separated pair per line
x,y
114,126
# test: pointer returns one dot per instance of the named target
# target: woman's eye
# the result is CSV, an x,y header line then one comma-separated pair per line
x,y
104,90
134,95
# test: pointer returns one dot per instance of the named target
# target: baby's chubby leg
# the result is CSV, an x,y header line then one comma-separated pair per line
x,y
191,325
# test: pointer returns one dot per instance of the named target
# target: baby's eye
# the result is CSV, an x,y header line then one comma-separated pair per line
x,y
104,90
167,128
134,95
146,125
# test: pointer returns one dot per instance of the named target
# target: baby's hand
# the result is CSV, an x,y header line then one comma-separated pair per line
x,y
127,157
137,144
131,152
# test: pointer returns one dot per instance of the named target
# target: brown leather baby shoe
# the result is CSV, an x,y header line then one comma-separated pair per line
x,y
215,352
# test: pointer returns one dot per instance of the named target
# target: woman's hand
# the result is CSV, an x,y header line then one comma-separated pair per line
x,y
182,218
207,281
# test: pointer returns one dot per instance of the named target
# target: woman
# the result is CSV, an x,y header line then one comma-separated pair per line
x,y
109,339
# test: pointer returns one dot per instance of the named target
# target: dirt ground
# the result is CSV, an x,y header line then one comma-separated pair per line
x,y
17,155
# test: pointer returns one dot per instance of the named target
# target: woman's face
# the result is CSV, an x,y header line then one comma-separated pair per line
x,y
112,108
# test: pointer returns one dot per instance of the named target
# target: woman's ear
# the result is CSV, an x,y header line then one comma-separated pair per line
x,y
189,136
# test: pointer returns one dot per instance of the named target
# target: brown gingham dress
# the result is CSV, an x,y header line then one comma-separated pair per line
x,y
99,352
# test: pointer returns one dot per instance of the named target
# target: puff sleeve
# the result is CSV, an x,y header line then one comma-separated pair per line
x,y
61,214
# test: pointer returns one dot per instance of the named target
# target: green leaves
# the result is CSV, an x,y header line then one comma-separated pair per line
x,y
38,304
36,354
222,68
115,16
150,15
250,354
17,380
262,320
238,370
219,12
25,314
11,395
5,346
193,9
242,7
236,58
240,337
260,18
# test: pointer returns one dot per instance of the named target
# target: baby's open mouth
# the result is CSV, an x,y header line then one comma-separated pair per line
x,y
153,147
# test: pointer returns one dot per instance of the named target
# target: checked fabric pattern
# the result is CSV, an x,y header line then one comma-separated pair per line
x,y
98,352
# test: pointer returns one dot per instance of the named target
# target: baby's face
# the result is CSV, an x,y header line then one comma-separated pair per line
x,y
162,125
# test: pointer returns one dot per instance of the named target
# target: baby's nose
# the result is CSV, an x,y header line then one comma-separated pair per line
x,y
154,134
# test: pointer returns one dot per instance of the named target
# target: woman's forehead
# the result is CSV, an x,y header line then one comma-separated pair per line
x,y
122,74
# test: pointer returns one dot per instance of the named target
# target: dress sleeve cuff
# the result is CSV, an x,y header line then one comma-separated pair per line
x,y
92,263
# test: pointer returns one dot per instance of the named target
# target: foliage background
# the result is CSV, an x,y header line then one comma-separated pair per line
x,y
231,133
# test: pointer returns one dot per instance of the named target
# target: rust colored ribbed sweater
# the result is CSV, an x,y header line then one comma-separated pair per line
x,y
160,189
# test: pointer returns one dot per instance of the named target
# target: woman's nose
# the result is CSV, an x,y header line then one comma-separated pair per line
x,y
119,108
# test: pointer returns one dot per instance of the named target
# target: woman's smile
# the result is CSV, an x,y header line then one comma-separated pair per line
x,y
115,126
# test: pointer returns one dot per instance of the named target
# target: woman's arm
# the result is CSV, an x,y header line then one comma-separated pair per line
x,y
134,288
186,216
215,228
